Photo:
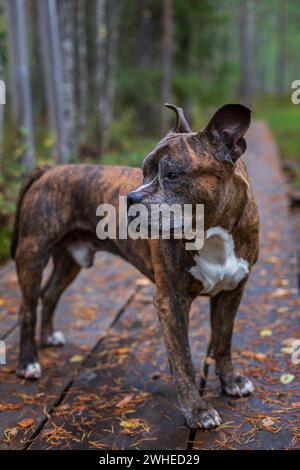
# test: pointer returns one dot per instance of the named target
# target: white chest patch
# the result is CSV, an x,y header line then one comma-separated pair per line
x,y
217,266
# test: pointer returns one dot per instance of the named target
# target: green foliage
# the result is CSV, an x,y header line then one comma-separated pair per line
x,y
283,118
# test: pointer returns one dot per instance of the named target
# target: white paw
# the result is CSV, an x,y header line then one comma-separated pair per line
x,y
210,419
206,419
31,372
56,339
240,387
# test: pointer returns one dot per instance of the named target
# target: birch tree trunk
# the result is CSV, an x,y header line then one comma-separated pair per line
x,y
67,35
166,59
20,78
51,58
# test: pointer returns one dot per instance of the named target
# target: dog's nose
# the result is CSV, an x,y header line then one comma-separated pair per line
x,y
133,198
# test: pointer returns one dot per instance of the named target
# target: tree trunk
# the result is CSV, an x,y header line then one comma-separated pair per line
x,y
107,98
2,108
82,83
101,40
246,20
166,60
20,79
145,110
51,57
67,36
281,60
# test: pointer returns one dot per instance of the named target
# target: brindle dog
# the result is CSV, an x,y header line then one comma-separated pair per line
x,y
56,217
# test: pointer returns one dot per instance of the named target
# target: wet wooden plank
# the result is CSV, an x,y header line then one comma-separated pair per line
x,y
124,398
9,299
84,314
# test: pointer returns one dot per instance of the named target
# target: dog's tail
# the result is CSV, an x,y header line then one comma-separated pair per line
x,y
31,178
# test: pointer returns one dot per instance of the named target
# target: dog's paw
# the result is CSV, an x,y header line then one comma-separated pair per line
x,y
237,385
204,419
30,372
57,338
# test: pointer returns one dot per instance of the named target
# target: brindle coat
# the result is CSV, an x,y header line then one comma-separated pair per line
x,y
57,209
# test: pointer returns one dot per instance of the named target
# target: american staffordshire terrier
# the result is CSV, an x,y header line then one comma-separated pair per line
x,y
56,217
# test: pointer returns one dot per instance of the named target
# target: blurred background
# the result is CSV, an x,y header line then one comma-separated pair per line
x,y
86,79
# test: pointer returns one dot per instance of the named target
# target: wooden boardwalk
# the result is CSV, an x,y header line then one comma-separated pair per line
x,y
110,388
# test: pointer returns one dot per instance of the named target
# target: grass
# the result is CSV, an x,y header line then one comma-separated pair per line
x,y
283,118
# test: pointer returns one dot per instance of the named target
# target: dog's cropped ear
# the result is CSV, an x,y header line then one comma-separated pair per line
x,y
228,126
181,123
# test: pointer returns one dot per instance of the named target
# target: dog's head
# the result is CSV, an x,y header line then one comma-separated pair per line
x,y
194,167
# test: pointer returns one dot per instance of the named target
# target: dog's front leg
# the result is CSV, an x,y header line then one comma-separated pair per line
x,y
224,307
173,311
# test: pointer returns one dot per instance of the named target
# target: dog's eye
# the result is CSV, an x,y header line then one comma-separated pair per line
x,y
172,175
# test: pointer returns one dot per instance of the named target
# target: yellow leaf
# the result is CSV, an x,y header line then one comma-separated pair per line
x,y
76,358
287,378
287,350
265,332
129,425
2,301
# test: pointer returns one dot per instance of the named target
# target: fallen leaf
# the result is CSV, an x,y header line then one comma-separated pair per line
x,y
267,422
280,292
130,425
254,355
282,309
265,332
125,401
76,358
272,259
25,423
287,350
2,301
10,406
121,350
287,378
90,313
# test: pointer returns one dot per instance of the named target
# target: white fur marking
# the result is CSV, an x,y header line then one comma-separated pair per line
x,y
81,253
217,266
57,338
33,371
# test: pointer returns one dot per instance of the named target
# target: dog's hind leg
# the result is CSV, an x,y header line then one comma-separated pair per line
x,y
30,262
64,272
224,307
